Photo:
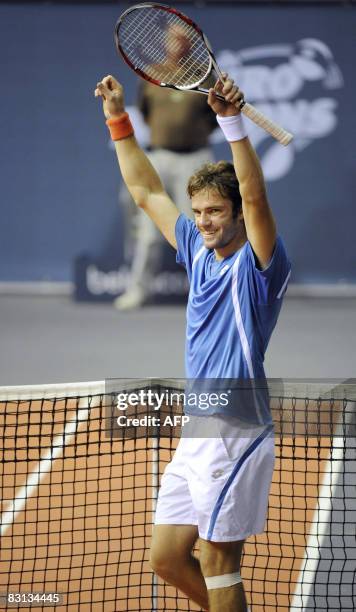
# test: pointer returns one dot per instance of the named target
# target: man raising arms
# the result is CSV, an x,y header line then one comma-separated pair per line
x,y
238,272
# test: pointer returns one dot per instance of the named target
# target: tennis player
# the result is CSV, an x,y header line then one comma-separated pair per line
x,y
216,488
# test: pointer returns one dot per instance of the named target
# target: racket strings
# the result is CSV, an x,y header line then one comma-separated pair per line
x,y
145,36
146,43
137,41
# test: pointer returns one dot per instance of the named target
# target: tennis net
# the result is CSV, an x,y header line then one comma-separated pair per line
x,y
78,500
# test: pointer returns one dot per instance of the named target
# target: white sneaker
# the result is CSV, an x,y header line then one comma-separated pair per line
x,y
133,298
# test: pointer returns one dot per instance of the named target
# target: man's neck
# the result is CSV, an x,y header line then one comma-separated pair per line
x,y
231,248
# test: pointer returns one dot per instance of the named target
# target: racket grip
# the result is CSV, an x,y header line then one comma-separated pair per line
x,y
269,126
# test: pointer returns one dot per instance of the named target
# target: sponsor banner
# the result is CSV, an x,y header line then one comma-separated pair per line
x,y
294,83
96,282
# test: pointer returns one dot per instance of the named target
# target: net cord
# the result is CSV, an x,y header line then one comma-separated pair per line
x,y
54,391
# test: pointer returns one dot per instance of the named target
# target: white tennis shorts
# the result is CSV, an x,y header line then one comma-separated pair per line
x,y
220,483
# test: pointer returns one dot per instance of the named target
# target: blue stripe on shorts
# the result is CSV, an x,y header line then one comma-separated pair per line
x,y
232,477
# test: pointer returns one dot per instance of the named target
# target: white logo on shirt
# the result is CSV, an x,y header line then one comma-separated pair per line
x,y
224,269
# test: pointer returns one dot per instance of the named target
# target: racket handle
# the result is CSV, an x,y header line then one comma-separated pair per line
x,y
269,126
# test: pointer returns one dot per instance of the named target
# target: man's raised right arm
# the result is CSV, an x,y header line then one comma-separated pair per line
x,y
137,171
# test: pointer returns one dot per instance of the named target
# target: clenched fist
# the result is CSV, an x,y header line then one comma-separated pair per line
x,y
234,97
112,94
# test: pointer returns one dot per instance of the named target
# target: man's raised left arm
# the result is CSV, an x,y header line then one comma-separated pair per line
x,y
258,217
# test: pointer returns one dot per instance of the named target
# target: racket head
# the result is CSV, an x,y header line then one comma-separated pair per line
x,y
163,46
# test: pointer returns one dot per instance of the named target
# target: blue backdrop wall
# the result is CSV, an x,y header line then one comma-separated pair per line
x,y
59,179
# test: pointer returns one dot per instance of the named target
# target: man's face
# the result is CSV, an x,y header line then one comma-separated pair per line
x,y
213,217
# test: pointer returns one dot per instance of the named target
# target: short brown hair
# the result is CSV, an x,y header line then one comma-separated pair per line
x,y
220,176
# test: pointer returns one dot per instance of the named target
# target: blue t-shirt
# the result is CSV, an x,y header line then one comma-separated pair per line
x,y
232,310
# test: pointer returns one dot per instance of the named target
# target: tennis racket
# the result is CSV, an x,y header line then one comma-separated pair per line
x,y
168,49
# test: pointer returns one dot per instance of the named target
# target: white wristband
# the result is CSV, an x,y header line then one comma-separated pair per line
x,y
233,127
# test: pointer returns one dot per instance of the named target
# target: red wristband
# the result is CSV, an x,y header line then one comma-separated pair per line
x,y
120,127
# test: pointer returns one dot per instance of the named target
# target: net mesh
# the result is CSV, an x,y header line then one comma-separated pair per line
x,y
77,505
164,47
